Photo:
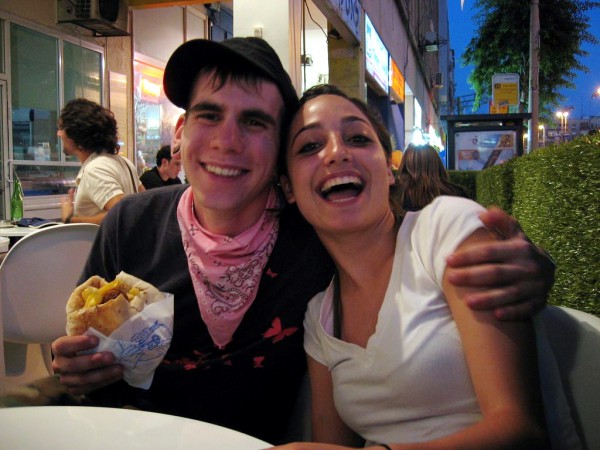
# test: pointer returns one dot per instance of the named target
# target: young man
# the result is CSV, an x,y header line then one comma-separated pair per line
x,y
89,132
241,267
166,171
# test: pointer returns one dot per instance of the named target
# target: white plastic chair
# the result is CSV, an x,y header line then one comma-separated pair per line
x,y
574,338
37,277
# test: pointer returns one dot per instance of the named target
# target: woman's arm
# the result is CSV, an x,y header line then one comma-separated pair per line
x,y
512,274
501,359
326,423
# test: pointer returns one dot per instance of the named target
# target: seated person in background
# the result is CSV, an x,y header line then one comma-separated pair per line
x,y
237,356
166,171
89,132
421,177
395,355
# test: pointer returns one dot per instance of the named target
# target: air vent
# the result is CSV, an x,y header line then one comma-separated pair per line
x,y
103,17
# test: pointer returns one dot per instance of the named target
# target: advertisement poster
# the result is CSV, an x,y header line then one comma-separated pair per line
x,y
476,150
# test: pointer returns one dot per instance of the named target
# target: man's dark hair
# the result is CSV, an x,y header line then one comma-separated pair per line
x,y
163,153
91,126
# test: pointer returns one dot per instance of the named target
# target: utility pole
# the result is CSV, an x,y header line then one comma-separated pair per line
x,y
534,72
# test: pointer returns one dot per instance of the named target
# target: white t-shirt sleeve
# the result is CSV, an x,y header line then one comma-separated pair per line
x,y
103,182
440,228
313,330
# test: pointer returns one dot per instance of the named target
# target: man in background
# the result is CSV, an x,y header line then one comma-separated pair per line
x,y
166,171
88,131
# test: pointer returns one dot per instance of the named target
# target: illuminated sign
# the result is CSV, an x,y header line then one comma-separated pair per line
x,y
377,56
505,90
397,81
149,88
349,12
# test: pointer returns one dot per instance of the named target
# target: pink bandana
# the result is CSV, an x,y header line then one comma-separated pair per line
x,y
225,270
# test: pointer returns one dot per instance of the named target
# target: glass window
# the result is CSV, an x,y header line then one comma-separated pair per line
x,y
155,115
43,179
34,88
82,73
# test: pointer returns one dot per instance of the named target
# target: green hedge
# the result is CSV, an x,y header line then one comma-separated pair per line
x,y
466,180
555,194
495,186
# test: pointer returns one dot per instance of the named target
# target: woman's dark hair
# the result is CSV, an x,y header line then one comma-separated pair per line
x,y
91,126
372,116
422,177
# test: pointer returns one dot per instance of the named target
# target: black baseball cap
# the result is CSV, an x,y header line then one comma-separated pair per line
x,y
236,54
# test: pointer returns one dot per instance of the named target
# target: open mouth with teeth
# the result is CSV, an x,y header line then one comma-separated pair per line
x,y
223,171
341,188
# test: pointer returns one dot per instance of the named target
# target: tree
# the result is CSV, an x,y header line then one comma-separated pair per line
x,y
501,45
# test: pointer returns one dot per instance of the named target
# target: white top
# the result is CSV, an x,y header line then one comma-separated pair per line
x,y
102,177
411,383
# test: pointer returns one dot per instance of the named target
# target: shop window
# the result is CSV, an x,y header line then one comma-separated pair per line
x,y
34,82
35,89
82,73
155,115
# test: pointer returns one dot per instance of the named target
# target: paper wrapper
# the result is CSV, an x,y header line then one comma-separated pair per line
x,y
141,343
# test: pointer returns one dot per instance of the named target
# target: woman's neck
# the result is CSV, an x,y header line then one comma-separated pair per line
x,y
363,255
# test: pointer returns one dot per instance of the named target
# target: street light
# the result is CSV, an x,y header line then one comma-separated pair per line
x,y
562,117
596,93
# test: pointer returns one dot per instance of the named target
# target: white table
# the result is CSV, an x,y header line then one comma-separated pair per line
x,y
80,427
17,231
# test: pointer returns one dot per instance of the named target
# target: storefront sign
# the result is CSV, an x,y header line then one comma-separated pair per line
x,y
349,12
397,81
377,56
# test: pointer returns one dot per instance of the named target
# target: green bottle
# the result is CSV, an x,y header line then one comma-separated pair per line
x,y
16,201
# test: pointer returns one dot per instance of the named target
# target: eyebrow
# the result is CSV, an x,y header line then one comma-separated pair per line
x,y
316,125
246,113
205,106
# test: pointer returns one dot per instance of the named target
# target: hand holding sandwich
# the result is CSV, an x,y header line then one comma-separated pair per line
x,y
82,374
103,306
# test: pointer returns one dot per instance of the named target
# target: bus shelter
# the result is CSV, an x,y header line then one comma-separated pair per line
x,y
478,141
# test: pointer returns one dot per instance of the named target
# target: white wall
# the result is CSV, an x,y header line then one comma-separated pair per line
x,y
280,23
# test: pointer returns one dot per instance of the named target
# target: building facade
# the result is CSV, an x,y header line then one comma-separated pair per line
x,y
392,53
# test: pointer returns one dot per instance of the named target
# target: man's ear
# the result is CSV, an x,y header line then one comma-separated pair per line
x,y
176,139
286,187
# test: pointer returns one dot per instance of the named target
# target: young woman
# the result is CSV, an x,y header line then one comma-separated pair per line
x,y
422,177
396,358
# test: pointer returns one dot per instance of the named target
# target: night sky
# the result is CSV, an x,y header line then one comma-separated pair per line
x,y
462,29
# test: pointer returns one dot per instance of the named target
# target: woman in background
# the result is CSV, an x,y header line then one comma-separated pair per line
x,y
421,177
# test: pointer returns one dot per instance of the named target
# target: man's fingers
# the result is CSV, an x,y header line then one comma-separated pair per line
x,y
520,311
500,222
84,383
493,275
491,252
70,345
